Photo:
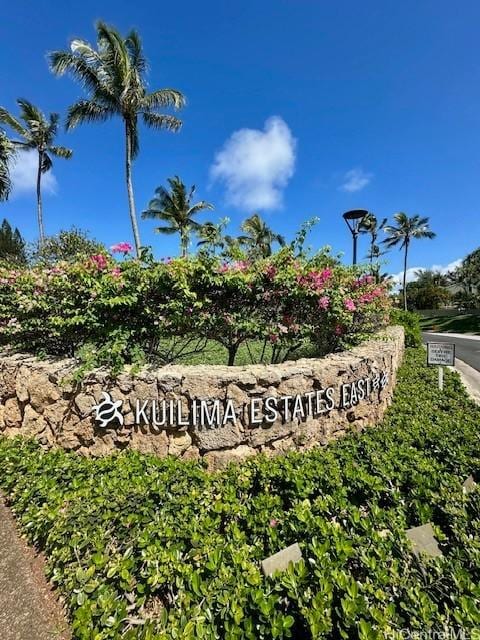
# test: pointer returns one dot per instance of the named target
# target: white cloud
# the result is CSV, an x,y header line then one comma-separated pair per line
x,y
412,271
255,166
451,266
24,175
355,180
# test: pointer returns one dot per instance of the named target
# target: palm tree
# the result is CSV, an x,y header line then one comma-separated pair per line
x,y
374,253
38,132
211,235
7,154
175,207
430,277
406,230
370,225
259,237
113,74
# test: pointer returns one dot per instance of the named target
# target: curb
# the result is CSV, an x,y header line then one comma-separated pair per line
x,y
470,378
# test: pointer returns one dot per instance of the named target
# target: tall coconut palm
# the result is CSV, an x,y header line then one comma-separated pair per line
x,y
38,132
258,237
7,153
174,206
370,225
211,235
401,234
113,73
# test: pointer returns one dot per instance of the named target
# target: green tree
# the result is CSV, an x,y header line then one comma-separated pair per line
x,y
174,206
37,132
258,237
67,245
429,290
211,236
113,74
467,275
370,225
402,234
7,154
12,245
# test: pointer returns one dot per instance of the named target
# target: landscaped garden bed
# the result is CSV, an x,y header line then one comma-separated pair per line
x,y
148,548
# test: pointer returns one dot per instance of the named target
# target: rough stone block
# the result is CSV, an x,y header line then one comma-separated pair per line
x,y
280,560
424,541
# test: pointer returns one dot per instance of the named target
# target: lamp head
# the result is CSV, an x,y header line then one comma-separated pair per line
x,y
354,217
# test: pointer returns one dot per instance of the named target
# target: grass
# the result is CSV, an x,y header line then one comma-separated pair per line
x,y
196,352
461,323
150,549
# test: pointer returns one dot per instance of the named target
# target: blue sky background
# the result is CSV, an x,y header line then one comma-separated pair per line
x,y
388,90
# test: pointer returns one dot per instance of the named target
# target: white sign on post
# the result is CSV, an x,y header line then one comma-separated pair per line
x,y
441,354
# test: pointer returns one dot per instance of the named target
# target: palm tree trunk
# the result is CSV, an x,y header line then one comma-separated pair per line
x,y
41,230
131,201
405,277
183,242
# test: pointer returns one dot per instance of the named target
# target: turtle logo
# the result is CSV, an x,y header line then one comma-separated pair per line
x,y
108,410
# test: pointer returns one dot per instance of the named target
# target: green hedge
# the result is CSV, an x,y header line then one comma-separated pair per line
x,y
149,548
411,323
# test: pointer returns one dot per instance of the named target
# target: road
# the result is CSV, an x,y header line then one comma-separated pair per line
x,y
467,348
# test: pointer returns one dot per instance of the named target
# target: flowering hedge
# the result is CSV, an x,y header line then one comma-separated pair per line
x,y
115,312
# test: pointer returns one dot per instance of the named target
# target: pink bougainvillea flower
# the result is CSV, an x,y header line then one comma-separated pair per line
x,y
100,261
273,522
363,281
324,303
241,265
116,272
338,330
121,247
349,304
315,279
271,271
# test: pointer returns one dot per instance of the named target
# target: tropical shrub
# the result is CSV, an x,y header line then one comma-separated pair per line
x,y
115,312
145,548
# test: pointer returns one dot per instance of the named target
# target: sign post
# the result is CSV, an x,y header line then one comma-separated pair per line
x,y
441,354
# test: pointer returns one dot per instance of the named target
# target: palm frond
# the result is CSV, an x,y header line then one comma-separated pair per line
x,y
30,113
13,123
61,152
78,65
87,111
170,231
161,121
163,98
154,212
200,206
133,44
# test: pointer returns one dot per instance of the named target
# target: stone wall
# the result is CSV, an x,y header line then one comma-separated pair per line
x,y
222,413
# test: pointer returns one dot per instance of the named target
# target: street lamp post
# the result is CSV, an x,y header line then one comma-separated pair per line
x,y
353,219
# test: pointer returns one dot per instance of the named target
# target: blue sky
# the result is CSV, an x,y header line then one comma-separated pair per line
x,y
373,105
